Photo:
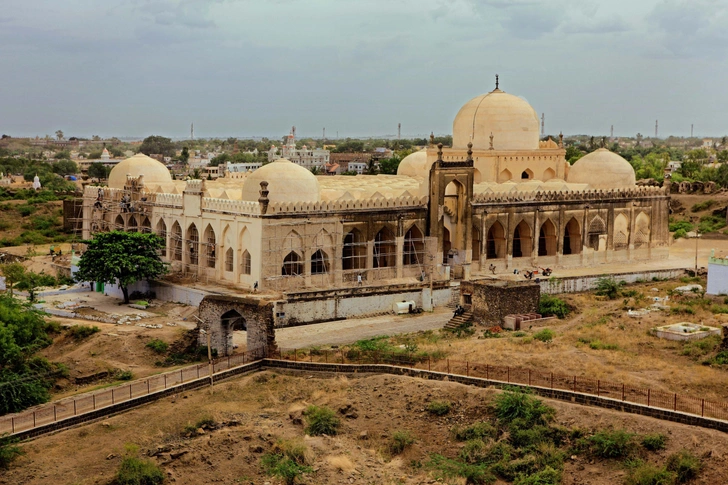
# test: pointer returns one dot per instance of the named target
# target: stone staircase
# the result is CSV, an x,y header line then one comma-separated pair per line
x,y
459,321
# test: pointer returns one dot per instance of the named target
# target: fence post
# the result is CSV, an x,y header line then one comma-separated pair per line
x,y
448,366
529,377
94,398
148,386
112,396
295,355
129,391
74,407
508,378
702,409
12,423
165,381
648,398
342,355
574,389
487,371
622,391
429,364
552,380
674,404
598,387
55,415
34,419
467,368
181,379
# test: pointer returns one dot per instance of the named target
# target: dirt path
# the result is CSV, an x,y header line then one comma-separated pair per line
x,y
351,330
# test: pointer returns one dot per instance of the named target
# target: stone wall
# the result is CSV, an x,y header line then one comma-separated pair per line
x,y
257,316
490,300
575,284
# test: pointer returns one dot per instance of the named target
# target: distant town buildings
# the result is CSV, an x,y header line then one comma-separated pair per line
x,y
305,157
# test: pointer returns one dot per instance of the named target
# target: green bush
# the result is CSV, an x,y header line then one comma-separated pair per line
x,y
476,431
25,210
701,206
439,408
550,305
721,358
545,335
321,420
646,474
547,476
685,226
654,442
137,471
685,465
518,404
280,465
401,440
125,375
608,287
473,474
9,451
680,233
611,444
711,223
158,346
80,332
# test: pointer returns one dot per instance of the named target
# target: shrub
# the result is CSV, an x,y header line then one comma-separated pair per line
x,y
711,223
439,408
680,233
279,465
547,476
321,420
608,287
80,332
550,305
125,375
685,465
654,442
295,450
25,210
401,440
646,474
158,346
513,404
721,358
473,474
9,451
701,206
545,335
612,444
137,471
685,226
476,431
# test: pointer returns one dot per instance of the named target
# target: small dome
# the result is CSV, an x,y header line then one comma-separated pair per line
x,y
287,182
414,164
602,169
154,172
512,121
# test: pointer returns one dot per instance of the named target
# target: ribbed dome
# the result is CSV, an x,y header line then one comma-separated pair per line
x,y
287,182
602,169
414,164
512,121
154,172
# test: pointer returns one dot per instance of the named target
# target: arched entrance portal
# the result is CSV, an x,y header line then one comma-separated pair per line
x,y
231,321
522,240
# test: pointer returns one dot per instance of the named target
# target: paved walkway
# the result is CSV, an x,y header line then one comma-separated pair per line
x,y
347,331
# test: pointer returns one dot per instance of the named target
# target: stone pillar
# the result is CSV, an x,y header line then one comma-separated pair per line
x,y
509,240
560,236
399,242
370,255
306,256
535,239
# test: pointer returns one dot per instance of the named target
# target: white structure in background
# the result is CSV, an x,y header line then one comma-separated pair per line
x,y
717,275
105,155
305,157
36,182
238,167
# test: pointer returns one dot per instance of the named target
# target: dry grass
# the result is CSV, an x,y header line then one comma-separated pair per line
x,y
341,463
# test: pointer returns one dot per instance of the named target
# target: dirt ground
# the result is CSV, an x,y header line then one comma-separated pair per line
x,y
257,410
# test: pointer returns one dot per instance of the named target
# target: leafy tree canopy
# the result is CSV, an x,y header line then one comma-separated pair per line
x,y
98,170
65,167
123,258
157,144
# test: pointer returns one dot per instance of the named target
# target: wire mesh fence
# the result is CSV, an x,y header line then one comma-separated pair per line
x,y
75,406
518,375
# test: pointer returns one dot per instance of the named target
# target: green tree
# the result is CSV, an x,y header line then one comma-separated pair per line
x,y
62,155
95,155
116,152
220,159
98,170
157,144
389,165
185,155
123,258
65,167
13,273
59,135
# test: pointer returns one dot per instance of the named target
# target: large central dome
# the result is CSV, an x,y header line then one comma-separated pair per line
x,y
511,120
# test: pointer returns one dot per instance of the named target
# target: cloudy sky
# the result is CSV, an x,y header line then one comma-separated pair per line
x,y
358,67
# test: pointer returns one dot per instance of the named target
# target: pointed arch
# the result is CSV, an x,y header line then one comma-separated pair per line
x,y
572,237
119,223
476,243
597,228
133,224
292,242
446,245
548,174
229,260
547,239
193,244
414,247
176,241
642,230
146,225
319,262
210,246
522,240
527,174
477,176
385,249
245,263
495,242
292,265
161,231
354,251
505,176
621,232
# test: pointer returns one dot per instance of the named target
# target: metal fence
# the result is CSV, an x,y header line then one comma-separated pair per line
x,y
520,375
84,403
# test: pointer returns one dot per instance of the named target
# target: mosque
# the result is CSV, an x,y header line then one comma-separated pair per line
x,y
499,199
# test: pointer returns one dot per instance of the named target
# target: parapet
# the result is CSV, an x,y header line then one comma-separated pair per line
x,y
547,195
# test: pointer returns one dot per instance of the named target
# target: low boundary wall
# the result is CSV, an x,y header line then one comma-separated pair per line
x,y
576,284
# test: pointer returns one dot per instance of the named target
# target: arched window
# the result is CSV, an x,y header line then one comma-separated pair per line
x,y
246,262
476,244
414,247
176,242
354,251
292,265
162,233
133,224
505,176
526,174
319,263
621,232
572,238
119,223
193,243
229,259
547,239
146,225
596,228
385,250
522,240
495,244
548,174
210,247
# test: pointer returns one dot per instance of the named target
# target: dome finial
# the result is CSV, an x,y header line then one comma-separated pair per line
x,y
496,81
439,152
470,152
491,141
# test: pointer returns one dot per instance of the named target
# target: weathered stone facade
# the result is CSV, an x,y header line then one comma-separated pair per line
x,y
221,315
491,300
